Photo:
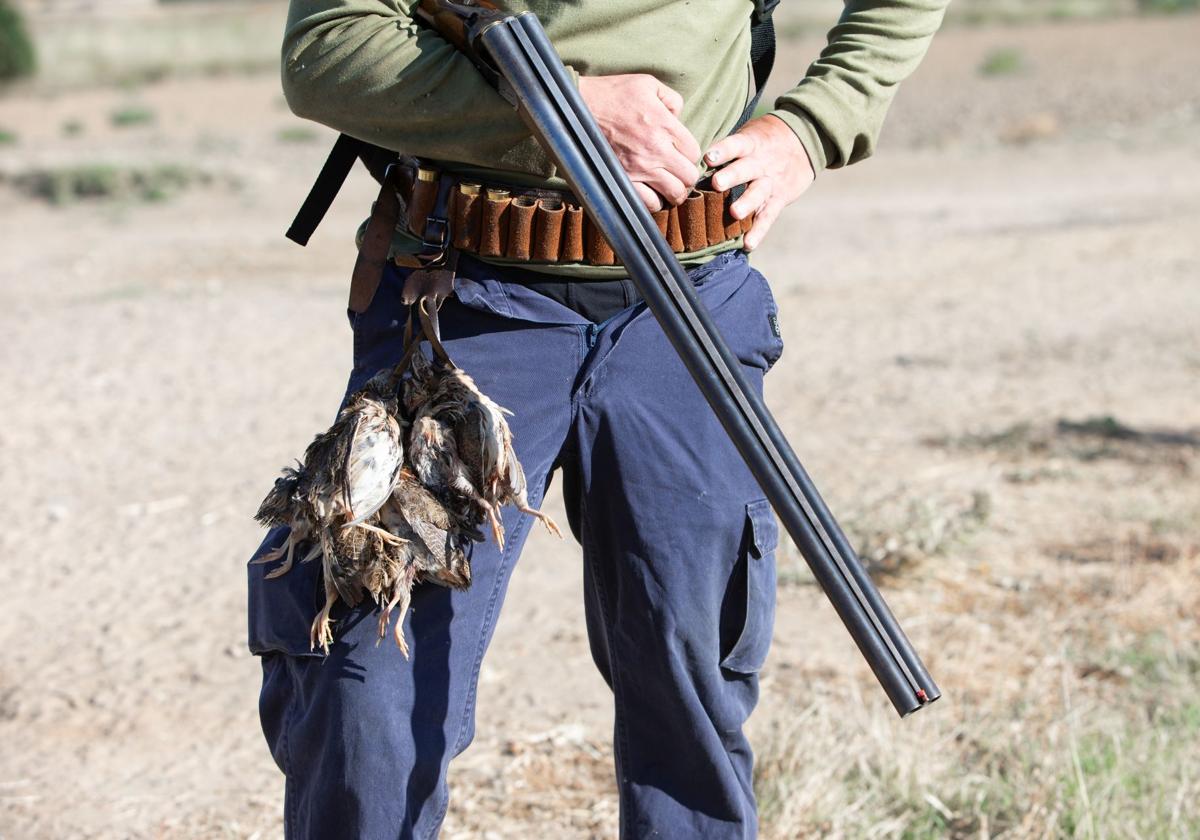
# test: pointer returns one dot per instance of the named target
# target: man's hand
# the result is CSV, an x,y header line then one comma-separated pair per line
x,y
640,117
767,156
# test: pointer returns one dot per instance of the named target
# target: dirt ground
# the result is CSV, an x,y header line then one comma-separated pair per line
x,y
1023,250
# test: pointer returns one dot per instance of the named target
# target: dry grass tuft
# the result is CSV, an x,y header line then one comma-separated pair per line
x,y
1068,652
1094,438
1099,739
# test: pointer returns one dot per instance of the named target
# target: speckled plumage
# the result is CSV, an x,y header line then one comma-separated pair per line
x,y
484,443
394,492
334,495
435,459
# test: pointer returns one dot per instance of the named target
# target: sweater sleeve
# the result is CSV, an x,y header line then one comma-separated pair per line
x,y
837,109
366,68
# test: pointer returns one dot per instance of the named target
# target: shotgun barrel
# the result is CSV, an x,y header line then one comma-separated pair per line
x,y
514,50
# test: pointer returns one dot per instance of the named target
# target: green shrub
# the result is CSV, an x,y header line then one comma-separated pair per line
x,y
131,115
1002,62
99,181
297,134
1159,6
17,57
8,138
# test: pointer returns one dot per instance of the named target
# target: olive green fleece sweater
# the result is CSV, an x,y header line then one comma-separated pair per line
x,y
366,68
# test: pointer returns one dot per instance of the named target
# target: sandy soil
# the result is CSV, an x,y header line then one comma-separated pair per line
x,y
1023,249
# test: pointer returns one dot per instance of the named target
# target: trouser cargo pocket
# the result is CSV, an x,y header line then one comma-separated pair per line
x,y
750,609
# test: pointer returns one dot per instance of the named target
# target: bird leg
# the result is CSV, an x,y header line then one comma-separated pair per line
x,y
462,485
402,597
274,554
386,536
385,616
321,635
398,630
550,524
494,521
287,564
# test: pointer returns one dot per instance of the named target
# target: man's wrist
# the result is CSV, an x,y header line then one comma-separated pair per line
x,y
807,133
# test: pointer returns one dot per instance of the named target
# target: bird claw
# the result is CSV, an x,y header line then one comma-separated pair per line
x,y
494,521
398,635
546,520
289,548
321,635
272,555
280,572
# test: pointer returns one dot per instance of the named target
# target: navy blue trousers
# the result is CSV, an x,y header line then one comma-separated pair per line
x,y
678,544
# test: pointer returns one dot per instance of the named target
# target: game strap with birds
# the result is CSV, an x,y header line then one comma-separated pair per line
x,y
395,492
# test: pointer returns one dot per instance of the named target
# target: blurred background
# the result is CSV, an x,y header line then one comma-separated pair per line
x,y
992,370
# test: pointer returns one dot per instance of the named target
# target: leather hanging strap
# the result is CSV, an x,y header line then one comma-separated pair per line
x,y
376,244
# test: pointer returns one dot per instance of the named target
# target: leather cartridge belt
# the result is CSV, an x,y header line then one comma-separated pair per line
x,y
549,226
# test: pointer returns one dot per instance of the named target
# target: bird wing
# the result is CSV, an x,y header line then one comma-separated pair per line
x,y
423,517
432,537
513,480
372,465
496,437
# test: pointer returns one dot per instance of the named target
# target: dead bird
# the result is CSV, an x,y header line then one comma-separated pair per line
x,y
388,579
485,442
420,385
513,491
438,534
286,505
347,475
478,424
433,551
433,453
375,451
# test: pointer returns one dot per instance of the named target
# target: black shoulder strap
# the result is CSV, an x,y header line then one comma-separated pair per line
x,y
762,53
762,41
333,174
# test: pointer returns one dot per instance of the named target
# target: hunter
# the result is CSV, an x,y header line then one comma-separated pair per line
x,y
678,541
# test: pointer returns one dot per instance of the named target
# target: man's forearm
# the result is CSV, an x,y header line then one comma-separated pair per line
x,y
838,109
364,67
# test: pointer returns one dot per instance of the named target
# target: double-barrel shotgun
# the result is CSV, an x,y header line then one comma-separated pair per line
x,y
513,52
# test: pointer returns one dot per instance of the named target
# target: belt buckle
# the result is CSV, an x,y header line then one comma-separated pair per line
x,y
435,236
433,250
436,229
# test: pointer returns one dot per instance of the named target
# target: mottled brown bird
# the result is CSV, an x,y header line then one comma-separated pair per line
x,y
484,441
384,516
478,424
438,534
420,385
285,505
433,551
433,453
512,489
347,475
